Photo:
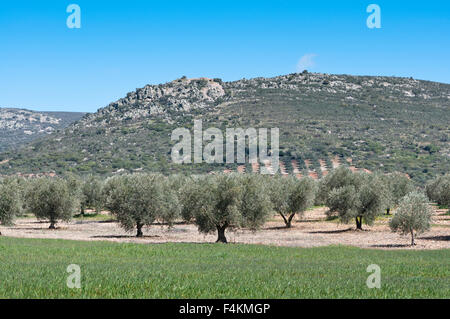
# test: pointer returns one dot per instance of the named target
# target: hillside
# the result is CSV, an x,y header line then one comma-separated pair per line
x,y
375,123
19,126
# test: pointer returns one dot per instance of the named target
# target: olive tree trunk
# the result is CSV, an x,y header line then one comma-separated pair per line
x,y
221,234
358,222
412,238
288,221
139,230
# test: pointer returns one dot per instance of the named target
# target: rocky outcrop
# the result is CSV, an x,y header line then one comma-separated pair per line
x,y
19,126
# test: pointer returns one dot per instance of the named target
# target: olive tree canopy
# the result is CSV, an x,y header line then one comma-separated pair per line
x,y
255,205
10,201
397,186
140,199
439,190
291,196
51,198
91,194
413,215
217,204
358,196
220,202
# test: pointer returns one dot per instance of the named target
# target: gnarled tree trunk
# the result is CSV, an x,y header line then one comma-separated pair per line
x,y
412,238
288,221
52,225
221,234
139,230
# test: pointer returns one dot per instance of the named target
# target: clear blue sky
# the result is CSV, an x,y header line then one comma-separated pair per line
x,y
123,45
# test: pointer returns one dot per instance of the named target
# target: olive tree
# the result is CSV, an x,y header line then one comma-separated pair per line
x,y
397,186
413,215
91,194
190,195
170,208
337,178
51,198
255,205
439,190
291,196
216,203
354,196
10,204
216,207
140,199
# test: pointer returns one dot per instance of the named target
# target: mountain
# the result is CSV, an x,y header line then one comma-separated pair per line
x,y
374,123
20,126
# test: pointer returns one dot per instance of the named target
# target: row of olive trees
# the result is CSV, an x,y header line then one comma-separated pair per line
x,y
219,202
363,197
214,203
48,198
439,190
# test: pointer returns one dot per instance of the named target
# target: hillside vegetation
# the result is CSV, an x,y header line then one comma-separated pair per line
x,y
19,126
381,124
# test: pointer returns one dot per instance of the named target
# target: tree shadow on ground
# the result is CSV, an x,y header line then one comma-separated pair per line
x,y
109,221
331,231
125,236
277,228
166,224
310,220
439,238
30,228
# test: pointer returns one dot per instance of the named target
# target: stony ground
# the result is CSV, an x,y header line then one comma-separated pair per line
x,y
311,231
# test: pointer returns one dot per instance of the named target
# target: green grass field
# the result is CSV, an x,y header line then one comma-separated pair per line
x,y
35,268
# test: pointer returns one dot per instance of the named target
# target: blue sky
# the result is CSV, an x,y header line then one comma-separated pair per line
x,y
123,45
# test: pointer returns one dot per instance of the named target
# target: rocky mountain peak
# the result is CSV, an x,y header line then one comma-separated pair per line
x,y
181,95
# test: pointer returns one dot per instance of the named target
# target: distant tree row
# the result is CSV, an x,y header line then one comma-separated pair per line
x,y
219,202
439,190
